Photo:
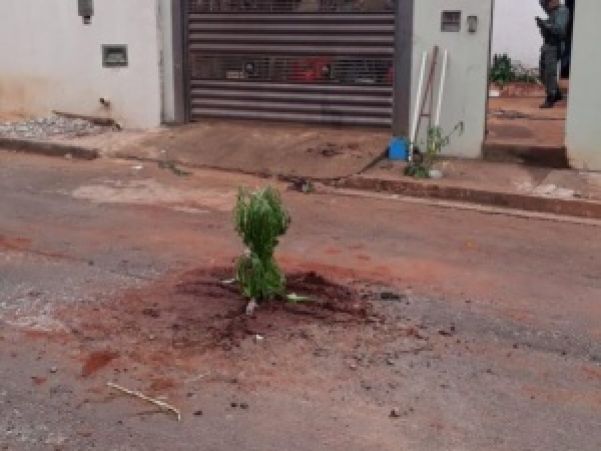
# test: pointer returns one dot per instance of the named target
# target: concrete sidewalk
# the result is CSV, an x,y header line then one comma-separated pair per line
x,y
520,121
518,131
558,191
339,157
288,150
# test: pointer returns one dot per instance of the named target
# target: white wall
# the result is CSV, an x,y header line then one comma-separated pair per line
x,y
584,105
515,32
167,62
466,87
50,60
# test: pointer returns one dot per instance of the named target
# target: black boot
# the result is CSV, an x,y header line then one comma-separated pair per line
x,y
558,96
549,102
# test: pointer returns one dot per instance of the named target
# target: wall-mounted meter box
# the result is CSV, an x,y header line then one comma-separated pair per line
x,y
85,8
114,56
451,21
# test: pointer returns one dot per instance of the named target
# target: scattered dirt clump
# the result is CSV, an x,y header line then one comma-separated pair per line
x,y
96,361
332,150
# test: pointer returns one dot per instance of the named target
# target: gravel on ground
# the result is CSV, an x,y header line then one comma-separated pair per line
x,y
53,126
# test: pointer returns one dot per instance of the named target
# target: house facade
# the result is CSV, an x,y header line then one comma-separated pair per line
x,y
51,60
352,62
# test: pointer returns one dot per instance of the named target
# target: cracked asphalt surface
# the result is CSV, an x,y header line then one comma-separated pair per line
x,y
483,331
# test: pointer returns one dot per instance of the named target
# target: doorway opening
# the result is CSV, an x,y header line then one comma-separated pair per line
x,y
517,129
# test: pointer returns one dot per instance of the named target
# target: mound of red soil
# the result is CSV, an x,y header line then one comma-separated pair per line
x,y
197,311
327,302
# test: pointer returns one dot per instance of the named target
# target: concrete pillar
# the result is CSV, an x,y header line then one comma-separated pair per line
x,y
467,83
583,138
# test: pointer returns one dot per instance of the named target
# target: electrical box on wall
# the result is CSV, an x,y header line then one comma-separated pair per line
x,y
85,9
472,24
451,21
114,56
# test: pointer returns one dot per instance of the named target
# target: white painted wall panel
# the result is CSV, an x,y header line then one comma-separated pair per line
x,y
50,60
167,62
584,104
467,83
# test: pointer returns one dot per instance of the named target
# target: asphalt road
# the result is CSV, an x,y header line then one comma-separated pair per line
x,y
483,331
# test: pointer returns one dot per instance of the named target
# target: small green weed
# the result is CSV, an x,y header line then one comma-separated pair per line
x,y
260,219
436,141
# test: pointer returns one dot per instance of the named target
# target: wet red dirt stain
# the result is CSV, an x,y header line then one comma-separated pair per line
x,y
161,384
14,244
191,314
96,361
38,380
190,323
592,373
19,244
363,257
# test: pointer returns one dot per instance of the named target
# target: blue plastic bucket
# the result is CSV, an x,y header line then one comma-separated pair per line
x,y
398,149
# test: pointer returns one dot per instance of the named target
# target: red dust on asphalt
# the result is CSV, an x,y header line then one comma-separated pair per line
x,y
96,361
196,310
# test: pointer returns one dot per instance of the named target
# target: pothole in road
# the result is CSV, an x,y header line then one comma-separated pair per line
x,y
197,309
193,325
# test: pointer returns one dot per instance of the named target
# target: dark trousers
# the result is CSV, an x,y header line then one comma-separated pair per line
x,y
549,58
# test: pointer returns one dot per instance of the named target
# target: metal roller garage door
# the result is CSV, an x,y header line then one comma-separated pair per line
x,y
327,61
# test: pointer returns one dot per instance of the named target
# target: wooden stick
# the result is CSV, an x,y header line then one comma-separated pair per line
x,y
161,404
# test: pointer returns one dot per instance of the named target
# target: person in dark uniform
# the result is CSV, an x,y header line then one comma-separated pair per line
x,y
554,30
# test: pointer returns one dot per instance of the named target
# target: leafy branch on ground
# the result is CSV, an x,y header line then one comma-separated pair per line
x,y
422,163
260,219
504,71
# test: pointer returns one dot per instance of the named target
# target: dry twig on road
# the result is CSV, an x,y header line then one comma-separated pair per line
x,y
161,404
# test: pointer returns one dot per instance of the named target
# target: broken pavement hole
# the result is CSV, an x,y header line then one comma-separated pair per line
x,y
330,303
325,297
184,316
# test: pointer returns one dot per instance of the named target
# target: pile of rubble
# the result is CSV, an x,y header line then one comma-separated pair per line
x,y
48,127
